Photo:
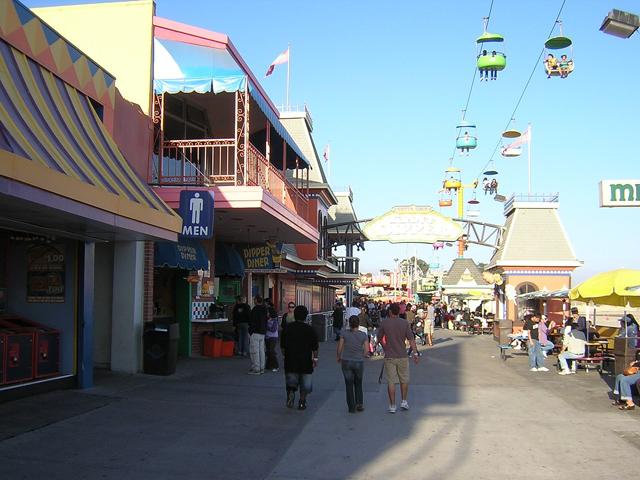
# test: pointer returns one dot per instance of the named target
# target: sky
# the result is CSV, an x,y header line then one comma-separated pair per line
x,y
386,82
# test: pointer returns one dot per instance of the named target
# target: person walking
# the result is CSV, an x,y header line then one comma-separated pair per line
x,y
299,344
429,324
271,341
396,331
257,331
338,319
241,318
353,348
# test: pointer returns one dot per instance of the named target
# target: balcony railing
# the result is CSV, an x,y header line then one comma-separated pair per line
x,y
348,265
213,162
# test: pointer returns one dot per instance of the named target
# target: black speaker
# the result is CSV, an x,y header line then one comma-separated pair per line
x,y
160,345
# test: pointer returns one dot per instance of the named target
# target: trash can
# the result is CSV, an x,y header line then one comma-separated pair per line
x,y
624,352
160,345
501,330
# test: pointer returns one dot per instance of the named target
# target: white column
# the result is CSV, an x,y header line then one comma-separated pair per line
x,y
127,309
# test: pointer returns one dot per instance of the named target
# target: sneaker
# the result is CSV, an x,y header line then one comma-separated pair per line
x,y
302,405
392,409
573,371
404,405
564,372
261,372
291,398
359,408
254,372
274,370
534,369
543,369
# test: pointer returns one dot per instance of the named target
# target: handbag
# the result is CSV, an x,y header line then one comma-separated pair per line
x,y
630,371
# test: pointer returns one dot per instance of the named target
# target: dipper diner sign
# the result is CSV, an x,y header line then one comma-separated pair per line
x,y
262,257
412,224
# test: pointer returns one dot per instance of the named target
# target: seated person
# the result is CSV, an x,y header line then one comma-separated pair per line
x,y
564,66
551,64
573,346
623,385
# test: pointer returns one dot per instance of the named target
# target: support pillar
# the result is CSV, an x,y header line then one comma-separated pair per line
x,y
127,310
349,288
85,310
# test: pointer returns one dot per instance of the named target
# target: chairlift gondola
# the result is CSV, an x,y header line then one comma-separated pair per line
x,y
466,140
511,151
452,179
559,67
490,61
491,169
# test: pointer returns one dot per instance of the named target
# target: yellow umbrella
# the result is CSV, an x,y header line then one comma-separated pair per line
x,y
616,287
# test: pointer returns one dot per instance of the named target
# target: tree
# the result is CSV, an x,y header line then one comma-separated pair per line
x,y
408,263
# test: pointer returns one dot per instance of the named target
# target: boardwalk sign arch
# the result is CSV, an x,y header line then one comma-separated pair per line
x,y
413,224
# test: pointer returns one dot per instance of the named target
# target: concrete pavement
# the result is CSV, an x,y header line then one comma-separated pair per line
x,y
471,416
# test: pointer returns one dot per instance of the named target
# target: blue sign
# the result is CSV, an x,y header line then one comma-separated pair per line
x,y
196,210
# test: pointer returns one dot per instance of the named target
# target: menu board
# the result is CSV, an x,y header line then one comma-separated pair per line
x,y
45,274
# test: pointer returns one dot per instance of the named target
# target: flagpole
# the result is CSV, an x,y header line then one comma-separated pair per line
x,y
288,72
529,157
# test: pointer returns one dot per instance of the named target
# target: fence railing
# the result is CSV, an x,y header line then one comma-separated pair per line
x,y
213,162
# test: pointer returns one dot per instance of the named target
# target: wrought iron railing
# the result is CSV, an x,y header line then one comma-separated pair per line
x,y
213,162
348,265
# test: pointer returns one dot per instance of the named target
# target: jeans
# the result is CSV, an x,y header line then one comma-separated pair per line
x,y
336,333
353,372
564,356
243,338
295,381
256,350
623,385
536,359
272,354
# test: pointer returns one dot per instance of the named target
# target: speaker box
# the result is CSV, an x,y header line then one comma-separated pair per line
x,y
160,345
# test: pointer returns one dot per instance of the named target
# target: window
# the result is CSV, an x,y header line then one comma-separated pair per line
x,y
183,121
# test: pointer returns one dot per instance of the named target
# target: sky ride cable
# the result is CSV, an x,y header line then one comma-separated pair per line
x,y
524,90
475,73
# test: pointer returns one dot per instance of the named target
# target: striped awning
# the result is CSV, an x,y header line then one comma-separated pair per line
x,y
53,139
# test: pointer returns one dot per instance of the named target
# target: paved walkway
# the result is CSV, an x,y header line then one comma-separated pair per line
x,y
472,416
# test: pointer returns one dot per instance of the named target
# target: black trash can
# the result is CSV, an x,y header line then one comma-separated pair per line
x,y
160,345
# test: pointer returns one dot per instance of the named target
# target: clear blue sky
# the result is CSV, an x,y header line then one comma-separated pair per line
x,y
386,82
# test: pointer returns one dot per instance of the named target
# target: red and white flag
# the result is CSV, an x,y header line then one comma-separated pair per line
x,y
280,59
327,152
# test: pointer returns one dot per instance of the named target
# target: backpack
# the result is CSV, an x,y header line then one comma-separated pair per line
x,y
272,325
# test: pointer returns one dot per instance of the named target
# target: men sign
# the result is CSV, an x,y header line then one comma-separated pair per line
x,y
620,193
196,210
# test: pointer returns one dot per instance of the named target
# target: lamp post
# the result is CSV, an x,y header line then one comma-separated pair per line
x,y
395,282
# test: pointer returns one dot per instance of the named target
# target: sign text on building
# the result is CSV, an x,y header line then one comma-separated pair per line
x,y
620,193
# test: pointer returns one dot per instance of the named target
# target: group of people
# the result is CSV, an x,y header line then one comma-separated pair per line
x,y
484,72
393,333
562,66
575,333
490,186
260,331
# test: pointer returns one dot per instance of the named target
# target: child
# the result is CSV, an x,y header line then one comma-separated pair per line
x,y
564,66
551,64
271,339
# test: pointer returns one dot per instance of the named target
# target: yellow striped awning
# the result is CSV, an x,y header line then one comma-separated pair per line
x,y
52,138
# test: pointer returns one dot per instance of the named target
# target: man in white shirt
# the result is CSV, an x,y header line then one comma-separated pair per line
x,y
352,310
573,346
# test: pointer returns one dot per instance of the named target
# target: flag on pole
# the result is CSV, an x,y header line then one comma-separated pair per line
x,y
521,140
280,59
327,152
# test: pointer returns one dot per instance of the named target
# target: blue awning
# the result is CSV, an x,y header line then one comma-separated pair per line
x,y
186,254
183,67
228,261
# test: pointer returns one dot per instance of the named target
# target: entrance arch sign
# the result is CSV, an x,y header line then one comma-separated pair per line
x,y
413,224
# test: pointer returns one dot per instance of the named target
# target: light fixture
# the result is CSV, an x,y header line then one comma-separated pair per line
x,y
620,24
